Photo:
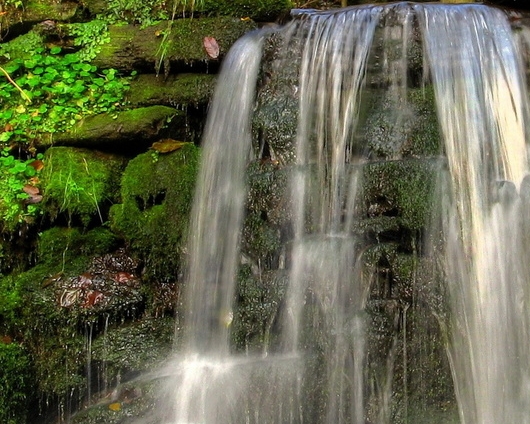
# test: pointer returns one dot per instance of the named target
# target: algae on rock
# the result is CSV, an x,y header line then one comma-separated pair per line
x,y
157,191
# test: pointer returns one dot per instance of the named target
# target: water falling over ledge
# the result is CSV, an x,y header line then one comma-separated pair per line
x,y
335,344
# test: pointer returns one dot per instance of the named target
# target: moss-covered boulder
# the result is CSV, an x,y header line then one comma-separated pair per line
x,y
79,183
54,334
177,44
175,90
401,191
395,127
157,191
130,130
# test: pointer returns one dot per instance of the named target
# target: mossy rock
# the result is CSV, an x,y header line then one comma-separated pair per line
x,y
128,131
22,14
64,244
15,382
80,183
260,10
275,121
402,190
181,47
157,191
257,308
50,337
182,90
131,349
396,128
21,47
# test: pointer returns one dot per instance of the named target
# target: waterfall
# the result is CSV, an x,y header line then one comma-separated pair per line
x,y
315,368
483,113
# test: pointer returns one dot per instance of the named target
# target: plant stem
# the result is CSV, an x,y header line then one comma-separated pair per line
x,y
22,92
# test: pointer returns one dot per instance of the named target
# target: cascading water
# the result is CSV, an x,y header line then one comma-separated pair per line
x,y
313,368
483,113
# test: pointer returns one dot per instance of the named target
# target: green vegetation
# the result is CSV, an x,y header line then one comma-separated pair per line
x,y
157,191
51,92
259,10
143,12
44,92
79,182
18,178
15,379
400,190
89,37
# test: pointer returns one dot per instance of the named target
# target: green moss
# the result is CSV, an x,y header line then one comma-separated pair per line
x,y
400,189
186,36
79,182
395,128
40,10
182,89
15,383
126,129
60,245
260,10
174,42
21,47
157,191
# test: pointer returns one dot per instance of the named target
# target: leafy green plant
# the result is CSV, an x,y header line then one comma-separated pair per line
x,y
143,12
89,36
51,92
16,202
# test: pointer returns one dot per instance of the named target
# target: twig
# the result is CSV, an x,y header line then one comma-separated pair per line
x,y
15,84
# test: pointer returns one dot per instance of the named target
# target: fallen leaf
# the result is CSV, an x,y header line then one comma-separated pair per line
x,y
8,127
37,164
123,277
69,298
211,47
116,406
83,281
92,298
167,145
33,193
31,190
52,279
37,198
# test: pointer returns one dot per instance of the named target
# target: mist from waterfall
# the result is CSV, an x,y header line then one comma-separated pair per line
x,y
314,370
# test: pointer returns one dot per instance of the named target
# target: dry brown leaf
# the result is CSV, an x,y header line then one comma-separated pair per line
x,y
37,164
211,47
167,145
31,190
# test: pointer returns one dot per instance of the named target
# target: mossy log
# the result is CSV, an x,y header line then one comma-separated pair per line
x,y
133,129
178,45
262,10
33,12
183,90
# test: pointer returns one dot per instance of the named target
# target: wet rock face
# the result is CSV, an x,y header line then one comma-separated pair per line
x,y
397,152
109,285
